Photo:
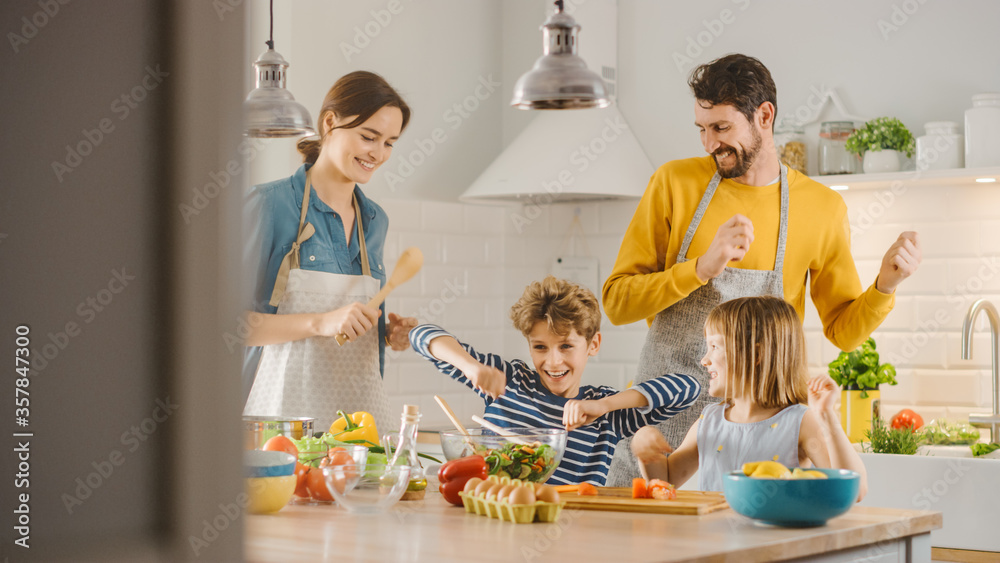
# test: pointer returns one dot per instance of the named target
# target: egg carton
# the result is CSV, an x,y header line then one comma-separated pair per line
x,y
538,511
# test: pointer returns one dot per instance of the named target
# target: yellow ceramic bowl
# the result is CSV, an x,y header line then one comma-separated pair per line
x,y
269,494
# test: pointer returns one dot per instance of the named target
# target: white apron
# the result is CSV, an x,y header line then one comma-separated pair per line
x,y
315,377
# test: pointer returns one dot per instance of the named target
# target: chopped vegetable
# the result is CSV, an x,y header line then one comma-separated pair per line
x,y
587,490
661,490
528,463
566,488
454,474
639,488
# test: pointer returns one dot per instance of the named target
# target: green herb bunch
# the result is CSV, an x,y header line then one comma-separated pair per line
x,y
861,368
879,134
884,439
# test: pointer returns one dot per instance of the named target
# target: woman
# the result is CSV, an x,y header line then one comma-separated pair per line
x,y
320,243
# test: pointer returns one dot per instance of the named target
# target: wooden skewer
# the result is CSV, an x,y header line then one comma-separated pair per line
x,y
500,431
451,415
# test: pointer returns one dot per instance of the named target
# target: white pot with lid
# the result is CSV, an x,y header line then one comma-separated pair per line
x,y
941,148
982,131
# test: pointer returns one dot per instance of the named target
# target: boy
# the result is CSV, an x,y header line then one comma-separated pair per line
x,y
562,322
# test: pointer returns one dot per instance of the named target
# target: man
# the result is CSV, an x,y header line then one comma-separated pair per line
x,y
733,224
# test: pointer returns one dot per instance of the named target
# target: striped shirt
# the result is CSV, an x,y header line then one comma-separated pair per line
x,y
527,403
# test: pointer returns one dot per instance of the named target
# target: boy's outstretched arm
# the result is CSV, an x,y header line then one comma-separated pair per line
x,y
581,413
821,437
452,358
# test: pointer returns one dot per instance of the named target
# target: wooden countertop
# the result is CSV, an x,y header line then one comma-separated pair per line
x,y
433,530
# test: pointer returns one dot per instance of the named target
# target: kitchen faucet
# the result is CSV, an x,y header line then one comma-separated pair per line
x,y
991,421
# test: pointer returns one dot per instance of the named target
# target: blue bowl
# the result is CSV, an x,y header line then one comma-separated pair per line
x,y
796,503
260,463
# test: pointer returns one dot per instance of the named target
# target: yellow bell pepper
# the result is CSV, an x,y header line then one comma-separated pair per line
x,y
355,426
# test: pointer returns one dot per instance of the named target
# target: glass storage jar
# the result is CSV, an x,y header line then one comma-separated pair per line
x,y
790,144
941,148
833,155
982,131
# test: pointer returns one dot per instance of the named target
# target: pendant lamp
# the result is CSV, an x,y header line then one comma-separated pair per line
x,y
270,110
560,79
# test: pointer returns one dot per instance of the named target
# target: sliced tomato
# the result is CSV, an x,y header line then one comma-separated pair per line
x,y
587,490
639,488
301,474
661,490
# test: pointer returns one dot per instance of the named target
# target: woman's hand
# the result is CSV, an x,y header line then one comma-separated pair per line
x,y
489,380
398,331
352,321
823,393
581,413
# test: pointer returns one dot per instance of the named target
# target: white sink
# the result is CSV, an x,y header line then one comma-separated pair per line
x,y
966,490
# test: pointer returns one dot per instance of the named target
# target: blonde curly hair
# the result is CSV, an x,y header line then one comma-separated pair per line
x,y
564,305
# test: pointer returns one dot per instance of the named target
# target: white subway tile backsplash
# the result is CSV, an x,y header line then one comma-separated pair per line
x,y
439,281
902,315
495,252
483,219
913,349
513,252
931,278
529,220
981,351
951,388
871,243
561,217
903,391
442,217
403,215
990,237
429,243
974,202
467,312
974,276
951,239
465,250
599,373
615,216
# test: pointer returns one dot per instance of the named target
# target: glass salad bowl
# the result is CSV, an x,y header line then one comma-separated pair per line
x,y
366,489
531,454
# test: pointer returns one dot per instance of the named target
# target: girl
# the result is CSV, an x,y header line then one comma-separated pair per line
x,y
318,243
756,363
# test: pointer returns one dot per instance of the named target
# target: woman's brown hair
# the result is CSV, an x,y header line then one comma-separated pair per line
x,y
765,350
359,93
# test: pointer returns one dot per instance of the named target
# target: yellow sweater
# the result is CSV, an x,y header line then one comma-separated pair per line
x,y
646,278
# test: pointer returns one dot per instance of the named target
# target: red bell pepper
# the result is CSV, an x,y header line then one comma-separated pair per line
x,y
454,474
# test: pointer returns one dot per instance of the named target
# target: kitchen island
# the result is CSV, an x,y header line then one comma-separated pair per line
x,y
433,530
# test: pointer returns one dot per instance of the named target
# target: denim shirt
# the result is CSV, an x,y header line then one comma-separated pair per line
x,y
272,211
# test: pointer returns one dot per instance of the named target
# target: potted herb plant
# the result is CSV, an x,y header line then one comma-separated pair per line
x,y
859,374
880,141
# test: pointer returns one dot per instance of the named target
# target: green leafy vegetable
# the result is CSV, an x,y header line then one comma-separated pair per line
x,y
883,439
518,461
983,449
942,433
861,368
312,449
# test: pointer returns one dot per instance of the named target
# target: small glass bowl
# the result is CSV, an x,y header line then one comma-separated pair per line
x,y
367,489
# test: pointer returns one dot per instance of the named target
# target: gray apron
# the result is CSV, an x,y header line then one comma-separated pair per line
x,y
675,342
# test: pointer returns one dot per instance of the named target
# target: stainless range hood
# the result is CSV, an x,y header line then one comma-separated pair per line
x,y
572,155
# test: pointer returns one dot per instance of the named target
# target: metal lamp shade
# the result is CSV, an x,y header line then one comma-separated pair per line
x,y
270,110
560,79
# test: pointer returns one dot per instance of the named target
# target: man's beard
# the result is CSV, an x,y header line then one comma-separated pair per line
x,y
744,159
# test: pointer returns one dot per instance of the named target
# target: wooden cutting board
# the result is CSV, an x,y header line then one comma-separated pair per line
x,y
619,499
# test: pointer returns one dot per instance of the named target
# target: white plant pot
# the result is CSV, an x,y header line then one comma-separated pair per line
x,y
886,160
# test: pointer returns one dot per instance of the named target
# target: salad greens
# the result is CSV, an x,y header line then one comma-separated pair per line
x,y
861,368
942,432
983,449
529,463
312,450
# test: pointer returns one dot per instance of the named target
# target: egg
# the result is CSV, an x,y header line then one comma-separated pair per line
x,y
521,495
470,485
504,492
547,494
481,488
492,493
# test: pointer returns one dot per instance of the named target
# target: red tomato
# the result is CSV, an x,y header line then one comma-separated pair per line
x,y
907,419
301,475
281,444
661,490
316,484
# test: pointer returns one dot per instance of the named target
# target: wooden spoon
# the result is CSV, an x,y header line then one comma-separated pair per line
x,y
500,431
454,420
409,263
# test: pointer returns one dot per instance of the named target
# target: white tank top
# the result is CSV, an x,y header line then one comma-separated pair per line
x,y
724,446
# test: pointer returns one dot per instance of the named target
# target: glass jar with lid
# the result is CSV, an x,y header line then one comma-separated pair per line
x,y
833,155
790,144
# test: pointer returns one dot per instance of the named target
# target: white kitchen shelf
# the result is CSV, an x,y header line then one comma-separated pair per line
x,y
952,177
